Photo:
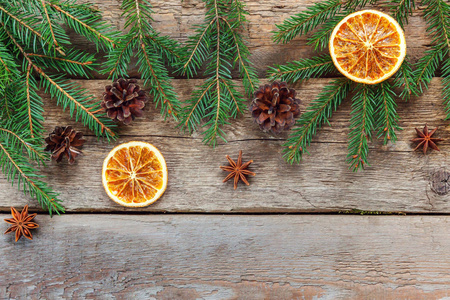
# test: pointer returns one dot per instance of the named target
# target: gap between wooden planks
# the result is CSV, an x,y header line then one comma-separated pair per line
x,y
229,257
397,180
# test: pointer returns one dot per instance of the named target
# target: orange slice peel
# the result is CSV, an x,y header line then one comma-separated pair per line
x,y
367,46
134,174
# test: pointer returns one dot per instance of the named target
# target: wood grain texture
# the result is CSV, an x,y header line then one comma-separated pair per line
x,y
397,180
229,257
176,18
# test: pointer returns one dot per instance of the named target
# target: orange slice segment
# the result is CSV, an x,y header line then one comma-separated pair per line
x,y
367,46
134,174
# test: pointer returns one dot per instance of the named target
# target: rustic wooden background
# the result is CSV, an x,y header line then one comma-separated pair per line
x,y
217,243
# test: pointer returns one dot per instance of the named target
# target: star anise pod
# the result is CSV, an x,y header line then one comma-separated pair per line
x,y
237,170
425,139
21,223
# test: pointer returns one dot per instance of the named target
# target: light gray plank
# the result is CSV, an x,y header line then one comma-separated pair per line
x,y
397,180
229,257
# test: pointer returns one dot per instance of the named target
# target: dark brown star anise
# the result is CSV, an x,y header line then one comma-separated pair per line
x,y
21,223
237,170
426,140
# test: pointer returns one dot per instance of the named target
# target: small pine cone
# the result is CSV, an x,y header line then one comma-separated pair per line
x,y
65,141
275,107
124,100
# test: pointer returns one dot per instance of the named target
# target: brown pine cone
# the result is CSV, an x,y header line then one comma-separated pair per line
x,y
275,107
64,141
124,100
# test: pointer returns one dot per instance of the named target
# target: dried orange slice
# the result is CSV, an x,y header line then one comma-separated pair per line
x,y
367,46
134,174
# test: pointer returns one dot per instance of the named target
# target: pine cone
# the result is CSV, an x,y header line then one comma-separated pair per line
x,y
124,100
275,107
64,141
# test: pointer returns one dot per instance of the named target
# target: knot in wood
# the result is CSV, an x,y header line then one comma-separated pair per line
x,y
440,182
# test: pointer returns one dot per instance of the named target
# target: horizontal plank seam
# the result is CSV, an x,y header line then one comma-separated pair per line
x,y
342,212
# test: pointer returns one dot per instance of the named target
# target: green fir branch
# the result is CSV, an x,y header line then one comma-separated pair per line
x,y
81,105
34,41
401,10
30,108
157,78
151,50
321,37
386,120
404,80
236,19
218,43
318,112
119,58
7,102
21,172
24,143
8,67
51,32
297,71
361,123
86,22
304,22
446,87
74,62
324,13
437,16
23,26
426,67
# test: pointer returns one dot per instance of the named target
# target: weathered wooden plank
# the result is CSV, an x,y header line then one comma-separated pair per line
x,y
175,18
398,180
229,257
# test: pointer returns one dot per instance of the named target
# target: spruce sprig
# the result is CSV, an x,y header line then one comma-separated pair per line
x,y
304,22
20,171
319,39
34,46
404,81
318,112
152,50
386,117
297,71
437,16
401,10
361,124
374,108
219,44
314,16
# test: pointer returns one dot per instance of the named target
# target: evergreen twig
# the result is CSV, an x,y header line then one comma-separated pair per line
x,y
152,52
404,80
374,108
386,118
437,16
34,44
218,43
20,171
318,112
362,124
300,70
